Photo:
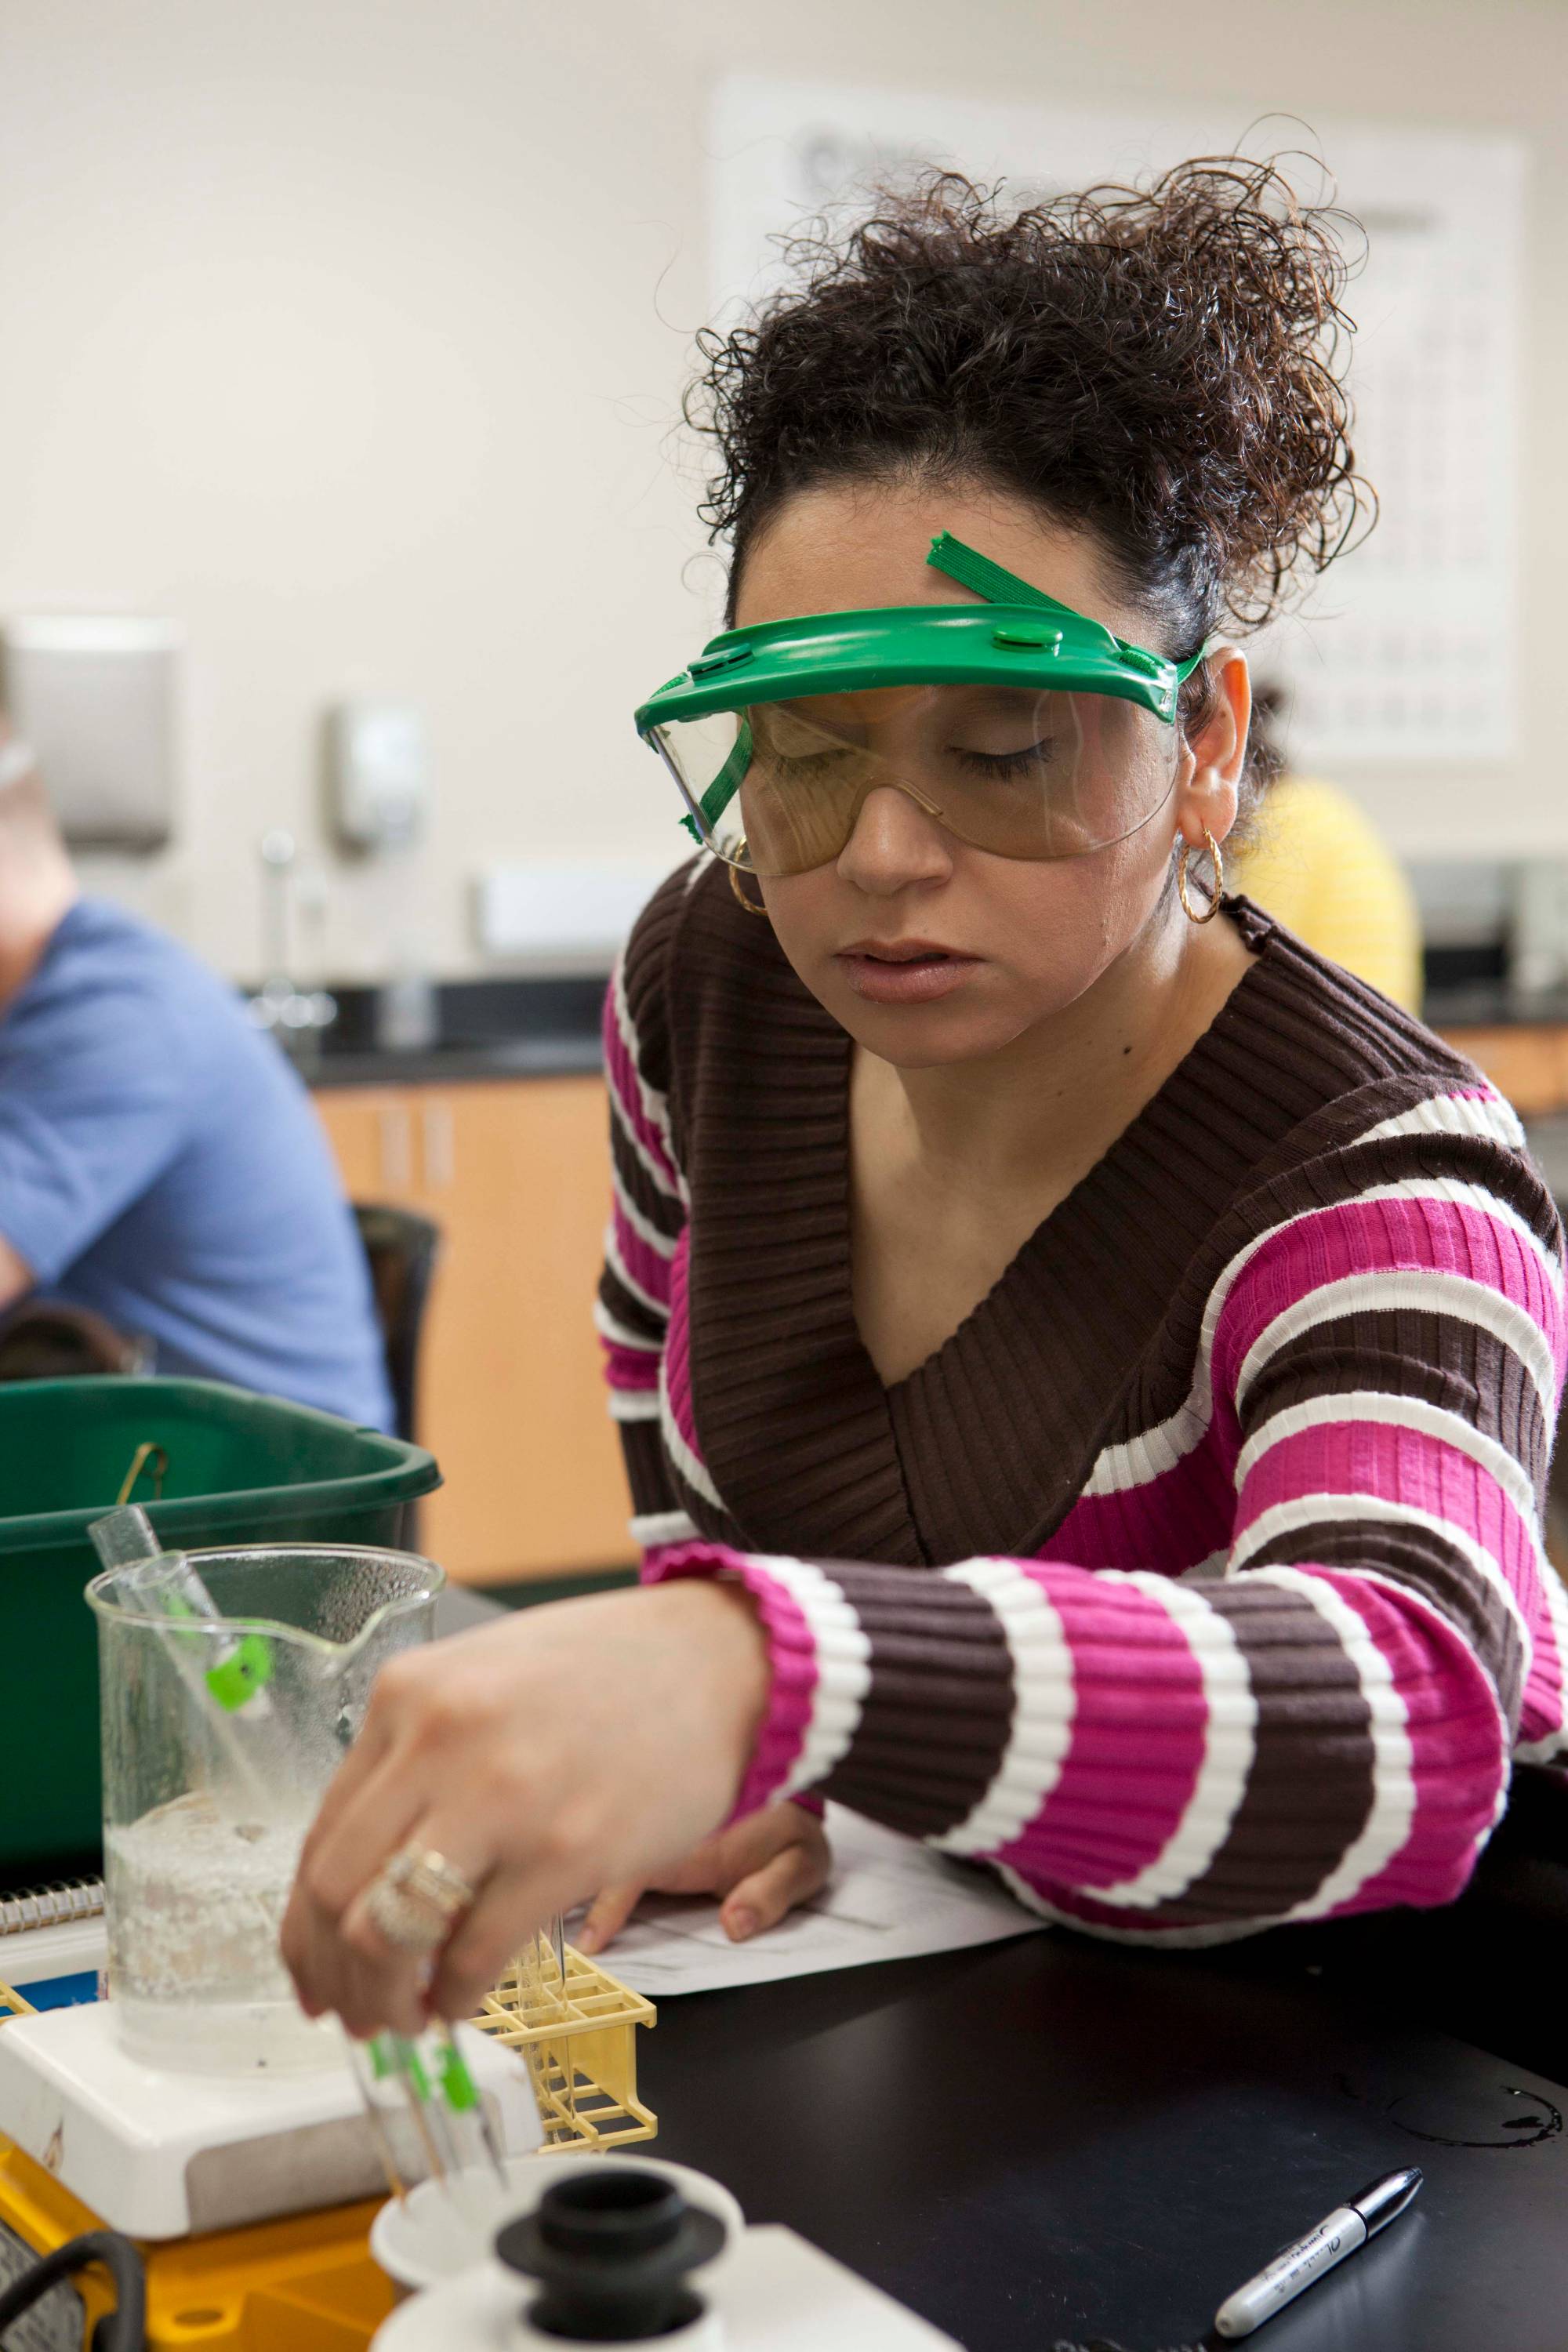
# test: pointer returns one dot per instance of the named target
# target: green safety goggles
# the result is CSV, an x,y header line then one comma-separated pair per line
x,y
1022,726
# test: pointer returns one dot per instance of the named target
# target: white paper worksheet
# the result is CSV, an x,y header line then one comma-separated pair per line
x,y
889,1899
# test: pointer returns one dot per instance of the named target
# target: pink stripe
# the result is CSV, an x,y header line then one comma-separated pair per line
x,y
1398,1466
1401,1467
1458,1766
1376,1237
630,1368
792,1661
625,1078
647,1268
1137,1737
1459,1759
1168,1523
678,1348
1406,1465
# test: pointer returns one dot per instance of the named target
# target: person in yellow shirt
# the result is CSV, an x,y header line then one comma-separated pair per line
x,y
1316,861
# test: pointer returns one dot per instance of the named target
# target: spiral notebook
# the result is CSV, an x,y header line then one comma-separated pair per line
x,y
54,1906
53,1942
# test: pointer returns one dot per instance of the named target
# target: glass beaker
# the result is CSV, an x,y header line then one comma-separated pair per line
x,y
207,1803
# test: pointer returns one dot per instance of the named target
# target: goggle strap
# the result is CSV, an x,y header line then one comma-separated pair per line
x,y
976,571
727,783
998,586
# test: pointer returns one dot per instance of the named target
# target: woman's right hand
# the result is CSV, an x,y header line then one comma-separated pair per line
x,y
760,1868
590,1743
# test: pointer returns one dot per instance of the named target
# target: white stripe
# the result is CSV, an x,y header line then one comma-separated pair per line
x,y
634,1404
655,1108
1227,1931
1488,1115
644,1227
1552,1744
1393,1809
691,1468
653,1528
843,1658
1450,1429
1406,1597
1554,1594
1411,1290
627,1280
1350,1407
677,1191
621,1335
1159,1449
1043,1704
1360,1857
1311,1510
1230,1740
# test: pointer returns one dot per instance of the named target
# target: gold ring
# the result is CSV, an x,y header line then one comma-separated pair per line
x,y
415,1898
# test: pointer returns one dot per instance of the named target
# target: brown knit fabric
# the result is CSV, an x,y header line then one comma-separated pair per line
x,y
1090,1333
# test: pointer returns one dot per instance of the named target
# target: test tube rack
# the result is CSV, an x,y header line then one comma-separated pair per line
x,y
580,2042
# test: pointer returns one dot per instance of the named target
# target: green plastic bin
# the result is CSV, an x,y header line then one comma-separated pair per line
x,y
242,1469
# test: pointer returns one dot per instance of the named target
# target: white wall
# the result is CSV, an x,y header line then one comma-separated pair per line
x,y
351,333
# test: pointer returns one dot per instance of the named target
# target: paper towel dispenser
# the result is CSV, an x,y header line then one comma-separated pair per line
x,y
96,700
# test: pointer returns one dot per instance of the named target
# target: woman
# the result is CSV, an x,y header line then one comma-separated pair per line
x,y
1086,1365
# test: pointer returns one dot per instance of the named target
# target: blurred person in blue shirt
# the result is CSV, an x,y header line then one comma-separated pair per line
x,y
160,1165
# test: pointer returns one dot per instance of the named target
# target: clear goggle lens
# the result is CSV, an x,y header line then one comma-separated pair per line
x,y
778,788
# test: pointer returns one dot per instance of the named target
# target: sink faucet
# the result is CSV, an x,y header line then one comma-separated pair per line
x,y
297,1015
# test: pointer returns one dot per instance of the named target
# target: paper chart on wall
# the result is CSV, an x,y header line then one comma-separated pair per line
x,y
891,1899
1405,652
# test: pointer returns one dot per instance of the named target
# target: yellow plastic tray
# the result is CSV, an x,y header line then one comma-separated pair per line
x,y
308,2283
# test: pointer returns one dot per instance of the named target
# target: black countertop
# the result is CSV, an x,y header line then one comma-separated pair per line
x,y
1050,2143
1468,987
566,1055
1492,1007
538,1028
503,1028
1057,2141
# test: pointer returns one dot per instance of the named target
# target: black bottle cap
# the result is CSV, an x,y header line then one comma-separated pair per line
x,y
611,2248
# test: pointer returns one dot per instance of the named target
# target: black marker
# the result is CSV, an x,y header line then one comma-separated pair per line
x,y
1347,2227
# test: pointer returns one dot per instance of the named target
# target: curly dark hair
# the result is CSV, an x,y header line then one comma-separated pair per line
x,y
1161,364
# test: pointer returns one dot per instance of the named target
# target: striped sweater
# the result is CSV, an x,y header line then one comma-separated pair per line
x,y
1196,1581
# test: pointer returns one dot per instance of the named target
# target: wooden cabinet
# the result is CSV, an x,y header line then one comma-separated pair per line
x,y
512,1400
1529,1064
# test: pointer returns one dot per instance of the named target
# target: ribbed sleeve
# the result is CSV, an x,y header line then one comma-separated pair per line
x,y
1325,1725
647,1229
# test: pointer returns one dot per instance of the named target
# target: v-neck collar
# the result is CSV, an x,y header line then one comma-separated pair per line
x,y
986,1444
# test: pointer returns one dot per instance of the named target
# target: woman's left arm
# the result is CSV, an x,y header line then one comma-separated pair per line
x,y
1321,1720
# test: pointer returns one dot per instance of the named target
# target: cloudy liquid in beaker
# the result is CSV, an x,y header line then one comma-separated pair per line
x,y
195,1902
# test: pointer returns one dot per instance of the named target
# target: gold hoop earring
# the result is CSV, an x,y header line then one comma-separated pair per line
x,y
751,905
1212,909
